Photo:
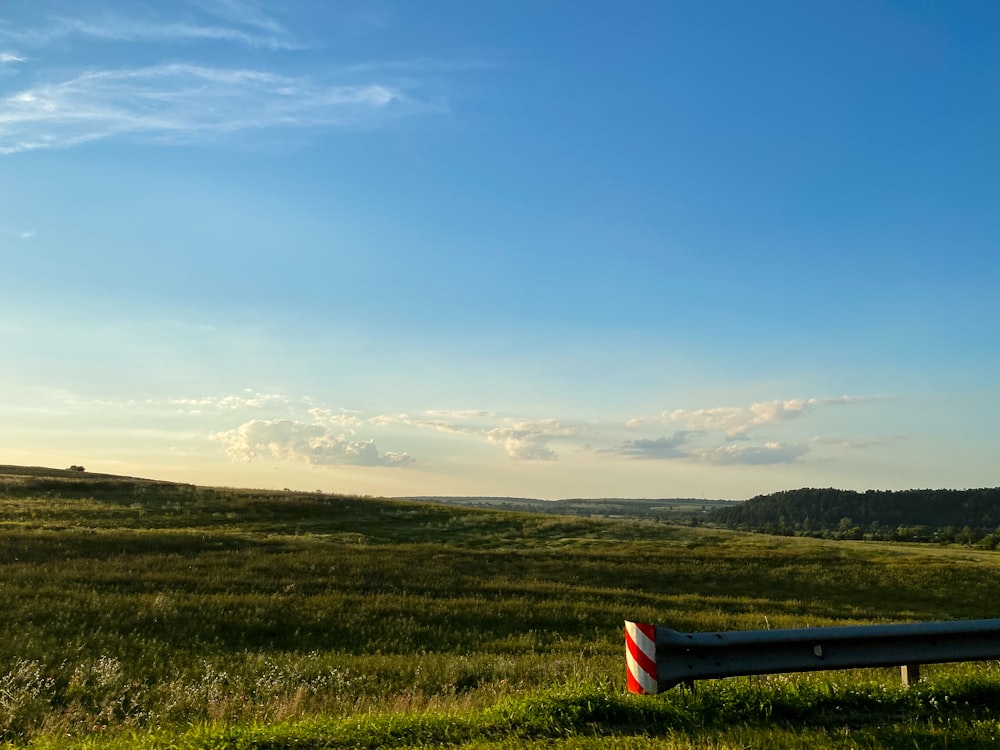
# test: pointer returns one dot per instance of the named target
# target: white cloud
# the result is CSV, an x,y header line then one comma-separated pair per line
x,y
769,412
9,57
529,440
27,234
183,103
315,444
522,439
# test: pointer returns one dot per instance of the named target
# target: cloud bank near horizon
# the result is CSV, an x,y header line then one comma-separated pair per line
x,y
251,426
324,436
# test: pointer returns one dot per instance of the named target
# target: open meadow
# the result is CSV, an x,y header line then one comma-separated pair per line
x,y
146,614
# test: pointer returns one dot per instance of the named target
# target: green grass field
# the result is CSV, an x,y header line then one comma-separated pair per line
x,y
142,614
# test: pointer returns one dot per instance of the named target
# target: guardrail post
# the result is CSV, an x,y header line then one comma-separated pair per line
x,y
910,674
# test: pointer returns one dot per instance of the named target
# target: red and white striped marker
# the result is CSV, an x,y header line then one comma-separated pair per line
x,y
640,658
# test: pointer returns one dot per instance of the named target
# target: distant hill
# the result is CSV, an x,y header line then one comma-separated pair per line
x,y
967,516
25,480
919,515
44,471
660,509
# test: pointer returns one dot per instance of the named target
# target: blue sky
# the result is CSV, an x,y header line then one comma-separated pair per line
x,y
645,249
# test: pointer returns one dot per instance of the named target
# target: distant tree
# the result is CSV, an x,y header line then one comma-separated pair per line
x,y
990,541
904,515
946,535
76,468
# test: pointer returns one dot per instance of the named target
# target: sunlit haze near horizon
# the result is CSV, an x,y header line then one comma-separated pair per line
x,y
639,249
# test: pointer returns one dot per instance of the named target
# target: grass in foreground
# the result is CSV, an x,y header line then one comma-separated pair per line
x,y
731,714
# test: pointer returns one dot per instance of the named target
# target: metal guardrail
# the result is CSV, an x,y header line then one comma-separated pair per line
x,y
658,658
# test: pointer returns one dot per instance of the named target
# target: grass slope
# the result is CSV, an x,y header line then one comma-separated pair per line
x,y
142,613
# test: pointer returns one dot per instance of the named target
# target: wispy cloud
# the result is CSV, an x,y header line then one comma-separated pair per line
x,y
459,413
680,447
851,443
244,12
187,99
247,400
129,30
342,418
771,452
314,444
419,66
736,421
440,425
21,234
721,435
207,20
177,103
661,447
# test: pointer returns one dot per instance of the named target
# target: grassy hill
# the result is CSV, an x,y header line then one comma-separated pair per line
x,y
144,613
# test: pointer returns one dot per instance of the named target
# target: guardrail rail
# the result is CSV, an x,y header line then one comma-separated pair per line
x,y
658,658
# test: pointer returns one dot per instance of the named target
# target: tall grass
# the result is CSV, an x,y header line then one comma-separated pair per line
x,y
176,616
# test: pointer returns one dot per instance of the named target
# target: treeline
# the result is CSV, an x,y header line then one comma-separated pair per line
x,y
946,516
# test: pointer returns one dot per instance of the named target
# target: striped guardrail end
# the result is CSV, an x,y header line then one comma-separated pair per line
x,y
640,658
